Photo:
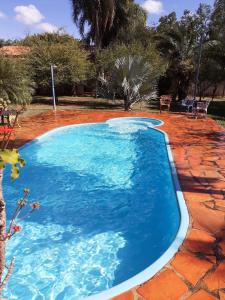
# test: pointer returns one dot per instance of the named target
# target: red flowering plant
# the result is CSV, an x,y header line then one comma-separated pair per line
x,y
11,157
14,227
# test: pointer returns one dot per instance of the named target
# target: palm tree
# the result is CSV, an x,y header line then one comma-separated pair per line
x,y
179,43
103,18
177,47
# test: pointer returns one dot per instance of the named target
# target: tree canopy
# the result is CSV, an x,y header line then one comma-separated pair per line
x,y
104,18
71,61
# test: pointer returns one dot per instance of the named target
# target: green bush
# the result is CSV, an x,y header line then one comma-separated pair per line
x,y
15,82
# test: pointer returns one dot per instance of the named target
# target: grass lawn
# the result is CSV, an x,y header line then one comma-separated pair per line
x,y
42,104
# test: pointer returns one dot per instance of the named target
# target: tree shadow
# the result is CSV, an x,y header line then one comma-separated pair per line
x,y
88,103
199,184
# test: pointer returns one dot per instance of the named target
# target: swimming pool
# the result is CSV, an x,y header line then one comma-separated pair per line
x,y
109,210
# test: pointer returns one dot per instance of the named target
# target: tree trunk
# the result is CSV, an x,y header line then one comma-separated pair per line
x,y
2,229
214,92
183,90
126,104
224,90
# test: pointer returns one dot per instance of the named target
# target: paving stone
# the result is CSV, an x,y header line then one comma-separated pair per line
x,y
220,204
222,247
190,267
202,295
200,241
219,195
167,285
125,296
216,279
209,204
222,295
211,258
221,163
195,195
213,223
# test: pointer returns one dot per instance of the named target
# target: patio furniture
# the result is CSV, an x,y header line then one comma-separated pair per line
x,y
201,108
188,104
165,102
8,121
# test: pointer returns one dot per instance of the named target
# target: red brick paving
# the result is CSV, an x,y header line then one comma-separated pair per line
x,y
202,295
165,286
126,296
197,272
185,264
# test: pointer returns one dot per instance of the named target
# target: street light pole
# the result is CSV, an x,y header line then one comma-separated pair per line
x,y
198,66
53,86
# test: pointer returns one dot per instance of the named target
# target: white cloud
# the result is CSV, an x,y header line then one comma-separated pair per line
x,y
47,27
31,16
2,15
153,7
28,15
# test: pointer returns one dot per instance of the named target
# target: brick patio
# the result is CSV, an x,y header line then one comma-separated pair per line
x,y
197,272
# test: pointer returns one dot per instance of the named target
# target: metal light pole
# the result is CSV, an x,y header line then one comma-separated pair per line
x,y
198,66
53,86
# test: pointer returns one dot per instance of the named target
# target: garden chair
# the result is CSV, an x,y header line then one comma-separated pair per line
x,y
165,102
8,121
188,104
201,108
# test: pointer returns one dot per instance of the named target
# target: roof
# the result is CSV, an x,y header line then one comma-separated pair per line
x,y
14,50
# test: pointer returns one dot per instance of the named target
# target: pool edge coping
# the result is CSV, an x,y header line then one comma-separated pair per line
x,y
160,263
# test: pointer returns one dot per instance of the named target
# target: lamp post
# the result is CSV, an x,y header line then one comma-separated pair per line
x,y
53,86
198,67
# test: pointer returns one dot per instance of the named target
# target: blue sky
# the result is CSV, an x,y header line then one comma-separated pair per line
x,y
20,17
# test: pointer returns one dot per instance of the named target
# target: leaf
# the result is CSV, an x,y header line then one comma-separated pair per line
x,y
11,157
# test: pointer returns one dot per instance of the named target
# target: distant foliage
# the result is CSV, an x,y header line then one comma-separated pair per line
x,y
72,61
15,81
59,37
106,58
179,41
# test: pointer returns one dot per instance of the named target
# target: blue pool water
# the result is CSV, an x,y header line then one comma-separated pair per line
x,y
109,209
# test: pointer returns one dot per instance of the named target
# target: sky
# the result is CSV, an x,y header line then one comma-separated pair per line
x,y
21,17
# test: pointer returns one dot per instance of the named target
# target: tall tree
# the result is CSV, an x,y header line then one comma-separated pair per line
x,y
218,20
212,71
100,20
178,41
175,42
135,30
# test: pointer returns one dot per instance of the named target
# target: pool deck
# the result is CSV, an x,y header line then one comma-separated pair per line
x,y
197,272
